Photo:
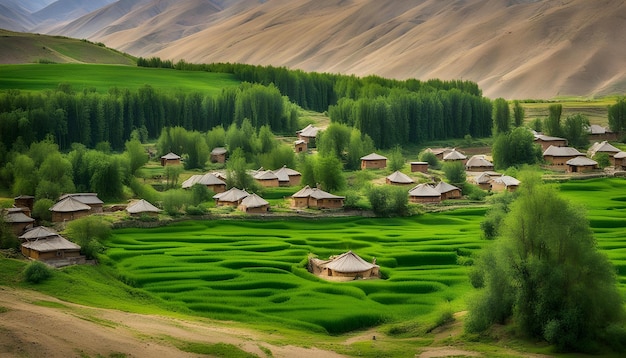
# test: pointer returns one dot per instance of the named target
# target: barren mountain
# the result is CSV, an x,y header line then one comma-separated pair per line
x,y
512,48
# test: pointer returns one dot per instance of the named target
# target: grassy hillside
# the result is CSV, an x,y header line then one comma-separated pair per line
x,y
17,47
37,77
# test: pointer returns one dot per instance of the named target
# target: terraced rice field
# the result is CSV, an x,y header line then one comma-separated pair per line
x,y
255,271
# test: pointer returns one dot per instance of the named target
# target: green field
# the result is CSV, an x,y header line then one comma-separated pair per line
x,y
255,271
39,77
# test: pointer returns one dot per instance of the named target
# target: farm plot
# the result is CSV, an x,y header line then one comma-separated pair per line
x,y
255,271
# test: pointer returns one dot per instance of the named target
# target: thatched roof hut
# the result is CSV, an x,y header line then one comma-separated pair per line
x,y
424,193
254,204
373,161
288,177
140,207
581,164
399,178
69,208
308,197
448,191
347,266
170,159
231,197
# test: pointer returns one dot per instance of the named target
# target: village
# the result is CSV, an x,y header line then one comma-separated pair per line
x,y
423,187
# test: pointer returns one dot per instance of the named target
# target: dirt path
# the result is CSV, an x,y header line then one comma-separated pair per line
x,y
28,329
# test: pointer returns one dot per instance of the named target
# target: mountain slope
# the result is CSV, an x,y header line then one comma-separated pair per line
x,y
16,48
512,48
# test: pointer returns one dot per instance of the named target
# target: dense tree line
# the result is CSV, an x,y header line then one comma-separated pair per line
x,y
390,111
90,118
403,117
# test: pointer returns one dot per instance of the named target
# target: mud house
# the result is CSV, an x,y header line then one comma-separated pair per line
x,y
142,207
300,146
424,193
308,197
18,219
170,159
483,181
421,167
231,197
455,156
254,204
69,209
308,135
619,161
373,161
581,165
288,177
90,199
398,178
602,147
266,178
218,155
503,183
558,156
24,201
448,191
345,267
210,180
478,163
546,141
439,153
46,245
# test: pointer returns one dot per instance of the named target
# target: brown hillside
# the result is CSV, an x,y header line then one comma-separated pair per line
x,y
16,48
513,49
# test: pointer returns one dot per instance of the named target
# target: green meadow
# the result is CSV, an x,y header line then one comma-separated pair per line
x,y
255,271
39,77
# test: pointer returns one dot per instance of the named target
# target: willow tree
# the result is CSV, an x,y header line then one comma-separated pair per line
x,y
545,272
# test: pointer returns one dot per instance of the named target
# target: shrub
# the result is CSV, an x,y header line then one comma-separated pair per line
x,y
37,272
41,209
431,159
388,200
195,210
603,160
455,172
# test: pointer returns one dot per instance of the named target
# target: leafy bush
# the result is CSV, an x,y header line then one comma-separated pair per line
x,y
455,172
195,210
41,209
388,200
431,159
37,272
89,232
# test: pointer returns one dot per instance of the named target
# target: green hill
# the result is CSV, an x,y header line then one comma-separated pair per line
x,y
17,48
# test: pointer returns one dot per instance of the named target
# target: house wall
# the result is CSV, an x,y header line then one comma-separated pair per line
x,y
552,160
422,168
218,188
218,158
18,228
95,208
580,169
165,162
373,164
301,148
294,180
258,210
300,202
424,199
454,194
330,203
227,203
479,169
546,144
498,187
271,183
60,217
